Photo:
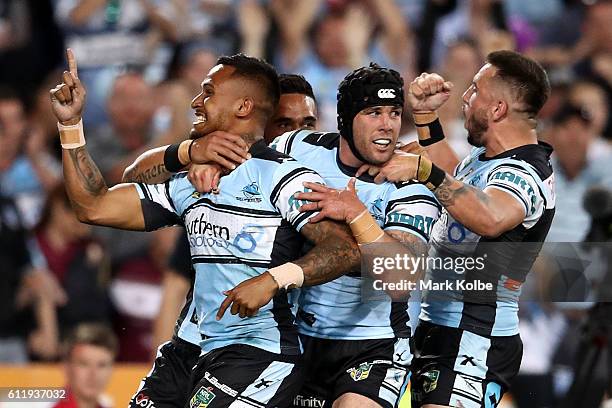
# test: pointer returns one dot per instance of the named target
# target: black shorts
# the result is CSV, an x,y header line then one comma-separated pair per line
x,y
453,366
241,376
168,383
376,369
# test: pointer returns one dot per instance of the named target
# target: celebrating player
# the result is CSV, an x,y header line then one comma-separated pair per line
x,y
248,230
167,384
467,343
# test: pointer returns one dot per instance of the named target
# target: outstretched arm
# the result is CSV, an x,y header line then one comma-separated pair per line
x,y
92,200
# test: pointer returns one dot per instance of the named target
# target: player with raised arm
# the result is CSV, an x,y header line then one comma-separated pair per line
x,y
249,230
357,352
467,343
168,380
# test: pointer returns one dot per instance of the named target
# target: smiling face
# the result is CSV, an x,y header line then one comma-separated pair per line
x,y
476,100
213,106
294,111
375,132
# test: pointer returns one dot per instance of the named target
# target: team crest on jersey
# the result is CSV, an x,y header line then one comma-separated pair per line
x,y
376,209
202,398
251,193
360,373
196,195
430,380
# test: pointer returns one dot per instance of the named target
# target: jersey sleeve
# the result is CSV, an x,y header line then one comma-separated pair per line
x,y
515,179
412,208
288,180
157,204
285,142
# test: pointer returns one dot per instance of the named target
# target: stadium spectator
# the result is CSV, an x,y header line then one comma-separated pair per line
x,y
110,36
573,139
78,262
89,354
27,169
27,309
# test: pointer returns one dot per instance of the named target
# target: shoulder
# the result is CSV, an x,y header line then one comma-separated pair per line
x,y
305,140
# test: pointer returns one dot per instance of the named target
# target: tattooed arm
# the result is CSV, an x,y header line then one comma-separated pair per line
x,y
92,200
148,168
489,212
335,252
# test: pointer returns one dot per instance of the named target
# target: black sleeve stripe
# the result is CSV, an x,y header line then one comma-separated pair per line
x,y
167,191
286,179
290,140
156,216
406,226
515,193
419,198
301,218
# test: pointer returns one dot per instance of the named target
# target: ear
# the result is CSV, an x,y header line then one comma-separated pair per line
x,y
499,111
245,107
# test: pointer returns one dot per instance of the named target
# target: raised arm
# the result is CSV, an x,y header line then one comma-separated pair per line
x,y
425,95
92,200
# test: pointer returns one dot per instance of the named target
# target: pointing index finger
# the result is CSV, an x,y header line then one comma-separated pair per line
x,y
72,64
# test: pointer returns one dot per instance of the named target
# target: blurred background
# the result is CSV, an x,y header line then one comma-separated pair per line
x,y
142,62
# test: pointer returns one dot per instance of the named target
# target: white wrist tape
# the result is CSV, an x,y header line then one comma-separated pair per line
x,y
288,275
71,136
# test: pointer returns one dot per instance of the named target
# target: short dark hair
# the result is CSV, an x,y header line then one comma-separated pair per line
x,y
525,76
258,71
293,83
94,334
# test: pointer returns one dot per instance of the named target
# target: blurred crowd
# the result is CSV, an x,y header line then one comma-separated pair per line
x,y
142,61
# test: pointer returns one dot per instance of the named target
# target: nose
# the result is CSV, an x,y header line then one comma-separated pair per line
x,y
196,101
466,95
386,122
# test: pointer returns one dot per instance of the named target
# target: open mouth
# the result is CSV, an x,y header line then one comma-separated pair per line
x,y
382,142
200,119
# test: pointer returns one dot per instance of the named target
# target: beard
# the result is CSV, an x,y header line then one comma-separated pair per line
x,y
476,126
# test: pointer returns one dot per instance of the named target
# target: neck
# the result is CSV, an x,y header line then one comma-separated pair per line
x,y
507,136
249,131
346,155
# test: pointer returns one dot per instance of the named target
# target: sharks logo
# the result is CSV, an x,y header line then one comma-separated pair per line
x,y
251,193
376,209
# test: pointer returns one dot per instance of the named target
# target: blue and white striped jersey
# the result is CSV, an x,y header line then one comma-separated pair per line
x,y
526,174
335,309
250,226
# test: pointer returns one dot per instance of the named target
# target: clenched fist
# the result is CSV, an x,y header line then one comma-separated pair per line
x,y
428,92
68,98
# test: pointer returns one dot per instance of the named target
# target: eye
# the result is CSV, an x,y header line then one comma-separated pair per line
x,y
396,113
309,125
